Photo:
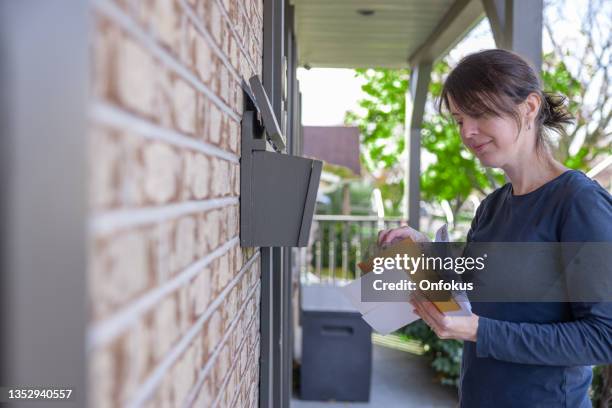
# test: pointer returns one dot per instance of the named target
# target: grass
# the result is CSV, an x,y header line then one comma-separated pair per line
x,y
398,342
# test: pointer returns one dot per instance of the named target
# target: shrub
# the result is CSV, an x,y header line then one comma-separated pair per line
x,y
445,355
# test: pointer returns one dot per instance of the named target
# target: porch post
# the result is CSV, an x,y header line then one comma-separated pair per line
x,y
517,26
415,106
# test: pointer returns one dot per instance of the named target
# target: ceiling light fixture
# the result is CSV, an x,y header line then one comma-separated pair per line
x,y
365,12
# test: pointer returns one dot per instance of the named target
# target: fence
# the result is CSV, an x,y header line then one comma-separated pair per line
x,y
338,243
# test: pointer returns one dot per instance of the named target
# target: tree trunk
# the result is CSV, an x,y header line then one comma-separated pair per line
x,y
346,199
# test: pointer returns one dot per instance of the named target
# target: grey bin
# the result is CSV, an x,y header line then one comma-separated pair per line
x,y
336,348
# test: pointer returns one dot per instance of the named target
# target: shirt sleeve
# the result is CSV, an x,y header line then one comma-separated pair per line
x,y
586,340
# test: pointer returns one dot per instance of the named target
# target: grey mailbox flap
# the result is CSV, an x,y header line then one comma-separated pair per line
x,y
284,198
267,114
277,191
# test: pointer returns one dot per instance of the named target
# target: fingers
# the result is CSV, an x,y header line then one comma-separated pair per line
x,y
382,236
432,316
389,235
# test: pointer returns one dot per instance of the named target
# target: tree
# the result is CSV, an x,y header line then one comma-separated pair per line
x,y
580,68
381,127
454,174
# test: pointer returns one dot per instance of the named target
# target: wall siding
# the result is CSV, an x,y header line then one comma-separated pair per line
x,y
174,299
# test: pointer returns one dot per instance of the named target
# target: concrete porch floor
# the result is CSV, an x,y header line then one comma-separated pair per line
x,y
399,380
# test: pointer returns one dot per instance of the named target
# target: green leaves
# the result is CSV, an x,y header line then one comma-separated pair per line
x,y
445,355
452,176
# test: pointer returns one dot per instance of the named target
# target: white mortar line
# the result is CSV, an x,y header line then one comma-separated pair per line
x,y
127,23
235,362
243,377
105,331
149,386
246,17
211,360
228,21
201,29
106,222
108,114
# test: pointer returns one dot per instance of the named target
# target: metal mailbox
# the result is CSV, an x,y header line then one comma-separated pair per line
x,y
277,190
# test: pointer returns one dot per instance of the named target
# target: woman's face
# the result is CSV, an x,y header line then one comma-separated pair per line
x,y
494,140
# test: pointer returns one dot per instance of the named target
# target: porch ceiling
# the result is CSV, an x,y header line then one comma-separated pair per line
x,y
334,33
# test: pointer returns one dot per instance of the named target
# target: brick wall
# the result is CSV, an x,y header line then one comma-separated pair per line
x,y
174,300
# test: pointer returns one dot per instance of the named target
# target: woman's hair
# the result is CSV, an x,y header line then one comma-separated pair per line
x,y
494,82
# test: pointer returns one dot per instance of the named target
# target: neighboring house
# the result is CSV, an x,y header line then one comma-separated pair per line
x,y
336,146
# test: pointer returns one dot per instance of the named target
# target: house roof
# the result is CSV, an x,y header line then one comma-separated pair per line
x,y
338,145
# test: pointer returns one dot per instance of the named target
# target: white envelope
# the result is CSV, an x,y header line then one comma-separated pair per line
x,y
387,317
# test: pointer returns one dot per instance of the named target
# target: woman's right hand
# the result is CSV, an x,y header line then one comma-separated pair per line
x,y
388,236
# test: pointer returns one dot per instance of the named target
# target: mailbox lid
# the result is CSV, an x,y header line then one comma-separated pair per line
x,y
280,193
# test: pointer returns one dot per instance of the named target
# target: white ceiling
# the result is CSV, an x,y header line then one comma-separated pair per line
x,y
332,33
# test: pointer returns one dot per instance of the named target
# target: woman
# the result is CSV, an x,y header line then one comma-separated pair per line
x,y
523,354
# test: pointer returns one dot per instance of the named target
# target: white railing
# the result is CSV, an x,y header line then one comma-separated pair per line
x,y
337,244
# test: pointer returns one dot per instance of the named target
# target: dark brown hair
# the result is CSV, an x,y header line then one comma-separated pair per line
x,y
494,82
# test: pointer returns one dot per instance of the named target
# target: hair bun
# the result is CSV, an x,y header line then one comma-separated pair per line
x,y
554,112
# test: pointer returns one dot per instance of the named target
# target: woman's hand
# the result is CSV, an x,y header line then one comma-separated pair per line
x,y
391,235
446,327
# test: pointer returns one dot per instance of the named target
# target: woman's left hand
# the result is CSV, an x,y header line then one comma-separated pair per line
x,y
446,327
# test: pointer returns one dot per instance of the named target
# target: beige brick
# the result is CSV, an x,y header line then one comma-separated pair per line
x,y
238,108
104,52
188,174
205,397
209,230
164,397
224,272
136,351
183,377
197,356
184,97
163,102
201,176
234,53
129,170
163,250
102,369
166,327
120,271
215,120
220,177
225,84
184,244
166,23
231,306
216,22
215,327
223,362
234,136
104,169
233,388
205,61
200,292
185,316
135,76
132,171
161,172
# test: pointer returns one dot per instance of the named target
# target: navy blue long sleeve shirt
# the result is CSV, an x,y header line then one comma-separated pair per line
x,y
539,354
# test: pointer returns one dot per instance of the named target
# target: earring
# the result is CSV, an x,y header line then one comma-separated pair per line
x,y
529,126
